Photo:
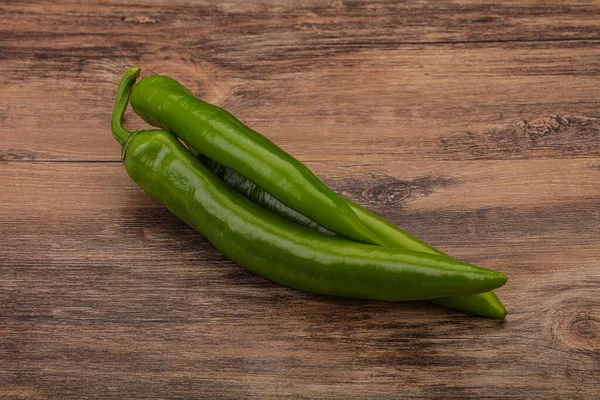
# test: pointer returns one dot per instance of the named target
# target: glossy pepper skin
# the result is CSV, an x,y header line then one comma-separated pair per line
x,y
273,247
163,102
484,304
250,190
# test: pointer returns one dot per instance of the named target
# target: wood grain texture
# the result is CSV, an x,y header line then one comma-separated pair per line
x,y
473,125
296,75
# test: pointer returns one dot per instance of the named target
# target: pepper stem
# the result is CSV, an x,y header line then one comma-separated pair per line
x,y
123,93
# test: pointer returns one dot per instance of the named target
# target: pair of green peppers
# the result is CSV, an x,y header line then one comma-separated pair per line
x,y
268,212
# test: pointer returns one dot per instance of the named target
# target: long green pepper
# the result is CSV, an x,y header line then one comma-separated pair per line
x,y
484,304
163,102
274,247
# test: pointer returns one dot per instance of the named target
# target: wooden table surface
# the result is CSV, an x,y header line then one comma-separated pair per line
x,y
474,125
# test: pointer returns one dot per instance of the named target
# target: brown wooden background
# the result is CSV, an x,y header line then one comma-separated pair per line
x,y
475,125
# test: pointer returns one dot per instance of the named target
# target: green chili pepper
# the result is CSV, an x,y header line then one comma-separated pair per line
x,y
163,102
273,247
259,196
485,304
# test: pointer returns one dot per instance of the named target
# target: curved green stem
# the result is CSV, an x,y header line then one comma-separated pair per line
x,y
123,93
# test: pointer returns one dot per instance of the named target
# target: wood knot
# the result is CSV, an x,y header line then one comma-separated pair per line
x,y
582,330
544,126
387,190
17,155
386,194
139,19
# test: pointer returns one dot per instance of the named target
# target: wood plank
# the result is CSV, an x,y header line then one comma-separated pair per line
x,y
487,201
103,291
291,25
375,108
472,124
368,90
